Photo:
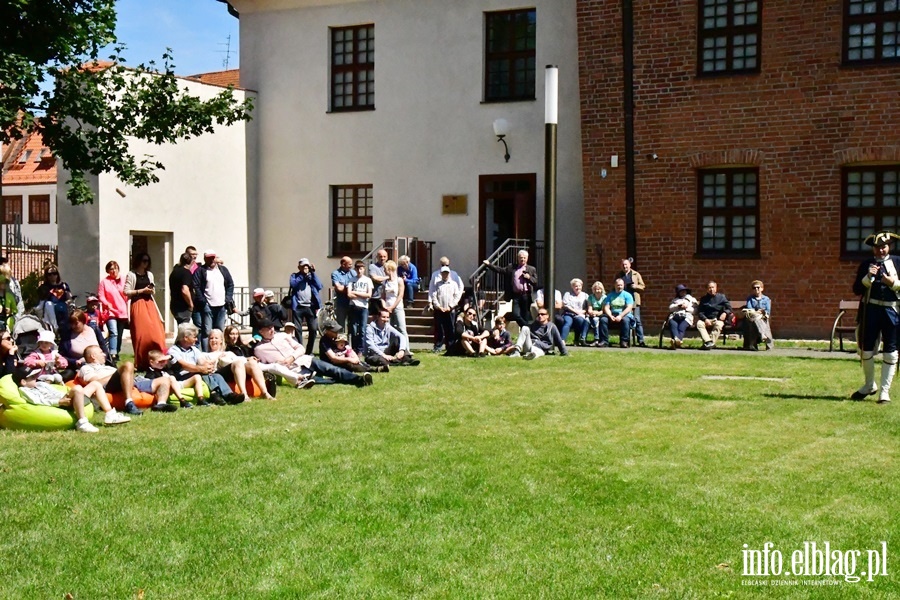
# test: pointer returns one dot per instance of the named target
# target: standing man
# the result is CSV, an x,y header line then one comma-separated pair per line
x,y
711,314
378,277
181,301
196,315
634,285
340,281
522,280
213,295
436,276
305,302
443,298
878,283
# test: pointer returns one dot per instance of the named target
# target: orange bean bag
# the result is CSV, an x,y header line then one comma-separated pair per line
x,y
117,400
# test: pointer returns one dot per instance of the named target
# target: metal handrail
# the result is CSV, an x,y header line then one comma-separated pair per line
x,y
423,259
489,287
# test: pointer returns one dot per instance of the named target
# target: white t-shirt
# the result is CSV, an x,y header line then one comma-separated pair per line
x,y
215,287
361,284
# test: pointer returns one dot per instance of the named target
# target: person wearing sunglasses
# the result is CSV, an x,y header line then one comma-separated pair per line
x,y
539,338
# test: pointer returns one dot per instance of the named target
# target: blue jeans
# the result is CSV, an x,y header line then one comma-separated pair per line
x,y
624,329
339,374
638,325
359,318
213,318
677,327
115,339
580,323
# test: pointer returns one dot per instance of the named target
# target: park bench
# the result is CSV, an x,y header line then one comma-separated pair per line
x,y
729,329
844,323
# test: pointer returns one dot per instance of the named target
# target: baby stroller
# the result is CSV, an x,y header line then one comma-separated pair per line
x,y
25,333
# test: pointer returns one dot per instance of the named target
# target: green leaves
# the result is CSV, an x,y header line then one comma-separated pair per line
x,y
95,107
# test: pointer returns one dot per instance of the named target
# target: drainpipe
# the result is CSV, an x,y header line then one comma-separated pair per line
x,y
628,85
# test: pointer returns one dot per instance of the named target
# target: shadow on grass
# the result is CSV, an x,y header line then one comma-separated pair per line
x,y
808,397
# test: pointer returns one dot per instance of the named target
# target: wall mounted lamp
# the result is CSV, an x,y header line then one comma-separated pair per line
x,y
501,129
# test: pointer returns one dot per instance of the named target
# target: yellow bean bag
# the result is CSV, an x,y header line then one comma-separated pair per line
x,y
17,414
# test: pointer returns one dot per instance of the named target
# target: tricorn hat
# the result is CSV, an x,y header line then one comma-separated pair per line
x,y
881,238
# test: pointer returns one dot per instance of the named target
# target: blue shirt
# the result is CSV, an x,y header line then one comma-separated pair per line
x,y
410,274
760,303
342,278
617,302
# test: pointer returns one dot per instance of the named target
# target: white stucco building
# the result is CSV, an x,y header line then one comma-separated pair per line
x,y
201,200
29,190
371,113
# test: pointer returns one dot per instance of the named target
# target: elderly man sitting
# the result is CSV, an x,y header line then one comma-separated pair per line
x,y
190,361
384,344
286,357
539,338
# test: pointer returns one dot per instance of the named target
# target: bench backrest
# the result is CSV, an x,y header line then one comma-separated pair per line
x,y
849,305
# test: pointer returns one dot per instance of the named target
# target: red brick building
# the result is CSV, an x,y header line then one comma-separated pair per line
x,y
766,144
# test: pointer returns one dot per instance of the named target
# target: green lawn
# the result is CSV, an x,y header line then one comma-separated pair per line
x,y
610,474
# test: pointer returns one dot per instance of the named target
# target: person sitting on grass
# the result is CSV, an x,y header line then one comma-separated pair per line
x,y
617,309
539,338
53,365
190,361
384,344
335,349
682,314
45,394
286,357
499,342
112,379
471,337
159,382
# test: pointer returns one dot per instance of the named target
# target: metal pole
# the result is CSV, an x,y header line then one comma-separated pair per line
x,y
551,119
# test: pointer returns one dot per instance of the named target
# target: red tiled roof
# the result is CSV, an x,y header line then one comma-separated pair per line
x,y
28,161
220,78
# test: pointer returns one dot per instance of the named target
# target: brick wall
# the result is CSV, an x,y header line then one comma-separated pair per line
x,y
799,120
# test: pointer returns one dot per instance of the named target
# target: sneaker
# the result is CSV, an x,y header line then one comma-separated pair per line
x,y
202,402
602,344
234,398
624,344
364,379
530,356
415,362
131,409
515,354
305,384
115,418
186,404
216,398
883,401
382,369
164,407
84,426
436,349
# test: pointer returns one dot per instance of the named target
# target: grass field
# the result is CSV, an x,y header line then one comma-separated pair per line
x,y
610,474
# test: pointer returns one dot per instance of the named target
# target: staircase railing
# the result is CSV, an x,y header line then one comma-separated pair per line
x,y
420,252
489,287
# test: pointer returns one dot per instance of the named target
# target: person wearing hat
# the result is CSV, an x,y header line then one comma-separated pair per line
x,y
275,311
334,348
305,302
213,295
286,357
257,311
878,283
443,296
681,316
54,366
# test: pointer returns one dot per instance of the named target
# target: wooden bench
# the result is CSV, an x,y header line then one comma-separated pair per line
x,y
736,330
840,328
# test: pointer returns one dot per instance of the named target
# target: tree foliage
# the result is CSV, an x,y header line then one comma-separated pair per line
x,y
54,79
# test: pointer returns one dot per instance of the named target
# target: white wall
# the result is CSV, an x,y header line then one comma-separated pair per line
x,y
200,200
38,233
430,133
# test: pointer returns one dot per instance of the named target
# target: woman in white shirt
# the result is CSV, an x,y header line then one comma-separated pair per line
x,y
574,313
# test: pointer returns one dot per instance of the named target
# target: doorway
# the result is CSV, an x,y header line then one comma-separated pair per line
x,y
506,209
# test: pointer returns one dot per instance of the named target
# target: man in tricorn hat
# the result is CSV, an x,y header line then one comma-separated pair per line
x,y
878,282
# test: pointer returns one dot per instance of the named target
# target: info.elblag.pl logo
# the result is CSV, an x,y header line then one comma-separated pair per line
x,y
814,560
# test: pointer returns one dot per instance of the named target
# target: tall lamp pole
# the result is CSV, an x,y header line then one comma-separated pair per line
x,y
551,118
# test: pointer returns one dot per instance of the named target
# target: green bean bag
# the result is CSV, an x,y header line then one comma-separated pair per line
x,y
17,414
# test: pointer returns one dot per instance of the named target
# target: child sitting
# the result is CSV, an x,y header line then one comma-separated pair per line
x,y
500,342
41,392
159,382
46,358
